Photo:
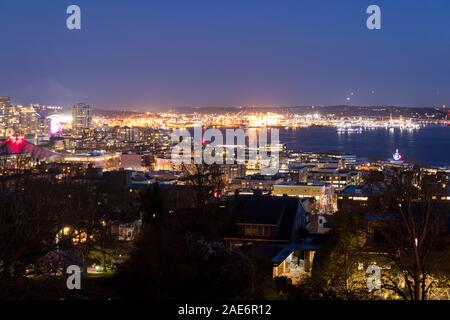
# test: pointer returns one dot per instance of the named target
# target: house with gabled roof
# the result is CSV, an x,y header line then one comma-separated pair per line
x,y
273,228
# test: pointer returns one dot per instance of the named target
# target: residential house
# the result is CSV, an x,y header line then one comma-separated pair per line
x,y
273,228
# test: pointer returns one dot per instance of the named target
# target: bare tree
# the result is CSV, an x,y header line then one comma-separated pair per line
x,y
28,225
206,179
415,242
335,273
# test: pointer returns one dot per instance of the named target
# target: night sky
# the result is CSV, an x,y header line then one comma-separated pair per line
x,y
143,54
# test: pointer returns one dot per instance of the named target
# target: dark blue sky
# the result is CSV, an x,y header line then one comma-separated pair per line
x,y
228,52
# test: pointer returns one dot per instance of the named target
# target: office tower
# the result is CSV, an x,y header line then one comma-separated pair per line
x,y
28,120
5,104
9,116
81,117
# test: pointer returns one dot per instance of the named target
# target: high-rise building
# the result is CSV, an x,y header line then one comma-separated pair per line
x,y
8,116
81,117
5,103
28,120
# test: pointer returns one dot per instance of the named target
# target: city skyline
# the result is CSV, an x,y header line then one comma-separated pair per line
x,y
224,157
172,54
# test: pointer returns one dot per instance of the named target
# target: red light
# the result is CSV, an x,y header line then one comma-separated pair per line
x,y
16,144
16,139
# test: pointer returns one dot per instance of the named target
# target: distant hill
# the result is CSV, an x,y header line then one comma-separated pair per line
x,y
339,110
113,113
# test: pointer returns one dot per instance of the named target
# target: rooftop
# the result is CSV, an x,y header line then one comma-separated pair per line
x,y
362,190
269,210
293,183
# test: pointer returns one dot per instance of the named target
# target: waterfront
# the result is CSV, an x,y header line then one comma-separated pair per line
x,y
429,145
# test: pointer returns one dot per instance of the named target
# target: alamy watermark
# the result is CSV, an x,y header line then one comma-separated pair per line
x,y
74,278
374,278
73,21
374,20
237,147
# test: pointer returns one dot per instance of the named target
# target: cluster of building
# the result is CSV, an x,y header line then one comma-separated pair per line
x,y
248,118
281,216
29,120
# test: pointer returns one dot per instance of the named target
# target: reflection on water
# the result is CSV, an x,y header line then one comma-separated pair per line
x,y
429,145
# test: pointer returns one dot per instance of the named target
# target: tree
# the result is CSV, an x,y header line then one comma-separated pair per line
x,y
28,225
205,179
175,261
335,271
415,243
152,205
